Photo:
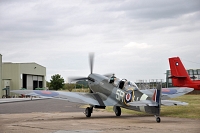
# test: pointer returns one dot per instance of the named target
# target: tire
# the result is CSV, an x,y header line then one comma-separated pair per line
x,y
158,120
88,112
117,110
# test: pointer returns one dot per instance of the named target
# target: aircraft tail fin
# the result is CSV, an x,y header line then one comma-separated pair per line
x,y
157,98
157,94
179,74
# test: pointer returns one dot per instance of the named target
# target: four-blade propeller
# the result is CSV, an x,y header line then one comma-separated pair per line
x,y
91,63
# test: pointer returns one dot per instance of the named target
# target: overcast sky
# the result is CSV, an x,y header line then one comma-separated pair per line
x,y
131,38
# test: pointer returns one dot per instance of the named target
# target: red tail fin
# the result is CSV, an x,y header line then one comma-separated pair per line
x,y
178,73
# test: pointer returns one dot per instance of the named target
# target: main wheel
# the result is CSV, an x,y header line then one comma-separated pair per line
x,y
117,110
88,112
158,120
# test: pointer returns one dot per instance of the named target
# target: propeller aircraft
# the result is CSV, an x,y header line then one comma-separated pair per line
x,y
108,90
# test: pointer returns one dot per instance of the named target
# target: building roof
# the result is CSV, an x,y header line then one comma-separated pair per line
x,y
23,63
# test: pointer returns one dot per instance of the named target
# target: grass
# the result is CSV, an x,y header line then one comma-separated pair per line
x,y
192,110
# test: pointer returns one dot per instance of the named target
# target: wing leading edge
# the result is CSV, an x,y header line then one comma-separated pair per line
x,y
83,98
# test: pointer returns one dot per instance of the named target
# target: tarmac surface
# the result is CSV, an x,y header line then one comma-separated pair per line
x,y
57,116
37,105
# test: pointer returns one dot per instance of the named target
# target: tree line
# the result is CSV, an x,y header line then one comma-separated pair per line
x,y
58,83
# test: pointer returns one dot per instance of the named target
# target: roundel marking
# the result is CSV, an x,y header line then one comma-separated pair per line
x,y
169,91
128,97
46,93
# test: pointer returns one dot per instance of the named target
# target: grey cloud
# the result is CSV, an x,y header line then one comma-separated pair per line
x,y
157,9
60,34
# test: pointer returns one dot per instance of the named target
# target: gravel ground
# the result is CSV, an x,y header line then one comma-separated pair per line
x,y
53,116
100,122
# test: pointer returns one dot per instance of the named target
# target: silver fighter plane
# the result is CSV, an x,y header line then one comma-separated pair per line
x,y
108,90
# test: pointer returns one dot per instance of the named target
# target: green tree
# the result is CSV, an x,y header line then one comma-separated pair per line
x,y
82,83
69,87
56,82
48,84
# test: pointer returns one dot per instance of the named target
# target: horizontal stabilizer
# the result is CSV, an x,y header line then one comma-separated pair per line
x,y
143,103
172,103
177,76
152,103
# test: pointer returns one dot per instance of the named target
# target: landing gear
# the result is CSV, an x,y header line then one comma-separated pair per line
x,y
88,111
117,110
158,119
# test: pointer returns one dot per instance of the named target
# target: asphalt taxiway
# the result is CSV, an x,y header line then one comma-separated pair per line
x,y
37,105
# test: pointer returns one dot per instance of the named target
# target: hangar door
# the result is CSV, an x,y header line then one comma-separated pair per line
x,y
32,81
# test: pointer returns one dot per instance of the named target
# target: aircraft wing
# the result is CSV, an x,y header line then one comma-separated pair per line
x,y
83,98
168,93
11,100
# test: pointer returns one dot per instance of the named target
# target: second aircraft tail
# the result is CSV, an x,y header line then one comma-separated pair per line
x,y
179,74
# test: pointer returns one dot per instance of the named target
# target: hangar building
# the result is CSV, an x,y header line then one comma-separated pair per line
x,y
15,76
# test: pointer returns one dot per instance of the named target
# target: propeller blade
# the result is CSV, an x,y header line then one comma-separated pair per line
x,y
71,79
91,59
